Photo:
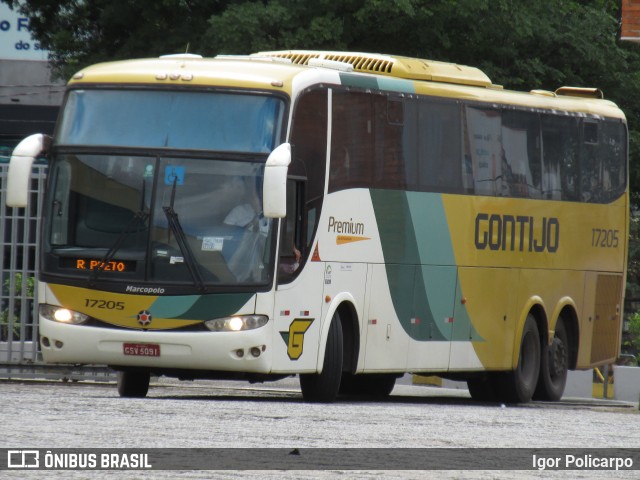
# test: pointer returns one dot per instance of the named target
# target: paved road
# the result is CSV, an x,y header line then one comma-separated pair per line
x,y
229,414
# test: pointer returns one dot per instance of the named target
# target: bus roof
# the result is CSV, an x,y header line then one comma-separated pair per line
x,y
191,70
276,70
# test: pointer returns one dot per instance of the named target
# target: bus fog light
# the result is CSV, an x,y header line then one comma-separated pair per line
x,y
255,351
239,353
45,342
237,323
59,344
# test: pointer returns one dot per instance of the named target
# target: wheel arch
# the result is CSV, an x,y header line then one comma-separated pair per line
x,y
569,316
350,336
542,321
344,306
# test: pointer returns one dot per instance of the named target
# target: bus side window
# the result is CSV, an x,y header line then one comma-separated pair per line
x,y
590,163
521,169
308,164
560,157
613,153
439,146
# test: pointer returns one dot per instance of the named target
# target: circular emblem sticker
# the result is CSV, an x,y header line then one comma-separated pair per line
x,y
144,318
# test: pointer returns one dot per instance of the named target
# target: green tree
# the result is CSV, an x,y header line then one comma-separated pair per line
x,y
631,338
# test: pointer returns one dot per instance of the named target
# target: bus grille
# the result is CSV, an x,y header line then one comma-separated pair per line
x,y
361,63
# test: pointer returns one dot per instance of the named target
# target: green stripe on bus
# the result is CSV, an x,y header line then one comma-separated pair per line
x,y
420,265
396,85
216,306
431,229
358,81
172,307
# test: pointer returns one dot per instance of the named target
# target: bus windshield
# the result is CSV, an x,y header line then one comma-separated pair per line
x,y
163,220
161,187
171,119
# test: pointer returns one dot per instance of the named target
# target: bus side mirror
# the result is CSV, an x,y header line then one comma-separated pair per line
x,y
20,165
274,191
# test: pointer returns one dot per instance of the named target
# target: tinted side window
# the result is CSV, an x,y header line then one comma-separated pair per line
x,y
603,172
309,143
385,140
395,143
352,142
520,154
560,141
613,150
440,147
484,151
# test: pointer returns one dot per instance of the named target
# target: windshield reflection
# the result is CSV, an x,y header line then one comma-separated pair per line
x,y
116,207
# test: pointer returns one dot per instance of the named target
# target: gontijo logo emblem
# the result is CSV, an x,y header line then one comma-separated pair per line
x,y
294,338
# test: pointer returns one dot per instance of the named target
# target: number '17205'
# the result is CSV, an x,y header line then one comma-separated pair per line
x,y
604,238
108,304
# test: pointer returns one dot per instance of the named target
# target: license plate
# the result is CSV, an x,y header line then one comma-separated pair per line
x,y
141,349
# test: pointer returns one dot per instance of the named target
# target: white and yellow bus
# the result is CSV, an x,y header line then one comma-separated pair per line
x,y
347,217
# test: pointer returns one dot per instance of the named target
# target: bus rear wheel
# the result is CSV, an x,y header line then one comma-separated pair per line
x,y
133,383
554,366
323,387
519,385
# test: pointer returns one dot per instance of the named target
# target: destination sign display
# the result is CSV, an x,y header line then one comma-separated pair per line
x,y
95,263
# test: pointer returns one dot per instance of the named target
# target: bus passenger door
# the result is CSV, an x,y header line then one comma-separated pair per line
x,y
298,318
300,283
298,296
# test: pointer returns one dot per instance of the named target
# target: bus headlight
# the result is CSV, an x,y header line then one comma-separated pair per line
x,y
237,323
62,315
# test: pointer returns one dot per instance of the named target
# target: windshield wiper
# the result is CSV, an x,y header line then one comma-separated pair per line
x,y
139,217
183,244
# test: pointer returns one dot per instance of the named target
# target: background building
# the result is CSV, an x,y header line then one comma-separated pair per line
x,y
29,103
29,98
630,28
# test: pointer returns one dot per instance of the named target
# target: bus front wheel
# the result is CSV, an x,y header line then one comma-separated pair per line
x,y
323,387
133,383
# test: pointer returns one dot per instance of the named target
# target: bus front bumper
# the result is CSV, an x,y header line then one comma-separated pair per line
x,y
246,351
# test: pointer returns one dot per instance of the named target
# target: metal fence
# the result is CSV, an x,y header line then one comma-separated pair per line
x,y
20,355
20,229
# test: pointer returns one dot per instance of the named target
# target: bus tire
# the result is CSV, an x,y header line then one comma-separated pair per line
x,y
323,387
133,383
519,385
554,366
